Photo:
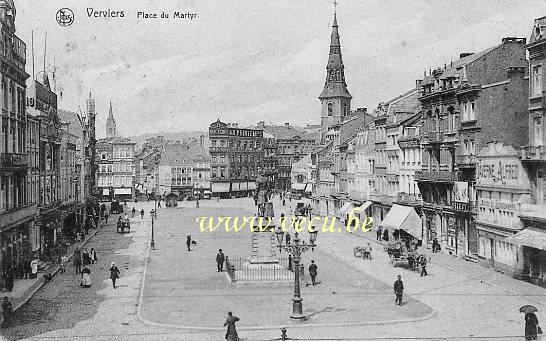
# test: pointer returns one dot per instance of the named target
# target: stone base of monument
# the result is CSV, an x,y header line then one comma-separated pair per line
x,y
264,263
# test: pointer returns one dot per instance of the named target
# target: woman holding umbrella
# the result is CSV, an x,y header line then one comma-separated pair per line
x,y
531,322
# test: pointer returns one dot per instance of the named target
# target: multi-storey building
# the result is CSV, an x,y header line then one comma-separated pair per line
x,y
42,106
269,168
236,155
115,176
302,176
292,144
16,211
72,182
473,100
533,157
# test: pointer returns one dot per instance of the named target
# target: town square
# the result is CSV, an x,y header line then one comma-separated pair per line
x,y
259,170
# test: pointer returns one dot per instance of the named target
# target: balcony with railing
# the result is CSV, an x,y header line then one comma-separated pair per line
x,y
13,161
465,160
533,153
15,215
436,176
433,137
409,198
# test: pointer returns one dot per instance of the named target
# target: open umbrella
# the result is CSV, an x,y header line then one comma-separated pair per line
x,y
528,309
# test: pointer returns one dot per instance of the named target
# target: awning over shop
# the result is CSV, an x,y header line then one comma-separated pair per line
x,y
345,208
220,187
118,191
365,206
403,218
298,187
308,188
105,191
530,236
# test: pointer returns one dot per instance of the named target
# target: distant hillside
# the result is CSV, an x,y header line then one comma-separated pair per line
x,y
173,136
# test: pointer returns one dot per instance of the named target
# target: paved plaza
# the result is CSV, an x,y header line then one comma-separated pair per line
x,y
172,294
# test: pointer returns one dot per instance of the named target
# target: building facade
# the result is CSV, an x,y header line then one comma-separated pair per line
x,y
16,209
236,156
476,99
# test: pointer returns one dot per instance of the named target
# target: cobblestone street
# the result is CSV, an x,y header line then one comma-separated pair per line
x,y
185,298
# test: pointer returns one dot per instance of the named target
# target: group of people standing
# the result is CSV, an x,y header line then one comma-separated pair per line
x,y
84,259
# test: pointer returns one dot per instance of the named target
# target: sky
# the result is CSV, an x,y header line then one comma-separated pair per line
x,y
247,61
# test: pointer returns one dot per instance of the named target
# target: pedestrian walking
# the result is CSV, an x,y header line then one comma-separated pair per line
x,y
378,234
93,256
133,211
142,214
114,273
7,311
313,272
188,242
86,277
398,290
77,259
159,204
531,327
28,268
220,260
435,245
64,260
9,278
126,216
423,264
283,202
106,217
287,238
86,258
231,333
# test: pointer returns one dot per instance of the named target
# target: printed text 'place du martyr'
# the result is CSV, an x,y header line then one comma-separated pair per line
x,y
91,12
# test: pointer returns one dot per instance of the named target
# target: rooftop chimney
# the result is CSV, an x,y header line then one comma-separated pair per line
x,y
465,54
286,124
261,124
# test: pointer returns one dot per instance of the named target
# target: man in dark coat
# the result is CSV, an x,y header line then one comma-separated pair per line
x,y
188,242
531,326
313,272
231,333
220,260
398,290
77,259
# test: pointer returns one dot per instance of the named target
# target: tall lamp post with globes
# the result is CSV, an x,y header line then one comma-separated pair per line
x,y
296,249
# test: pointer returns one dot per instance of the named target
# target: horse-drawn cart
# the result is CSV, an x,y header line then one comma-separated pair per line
x,y
399,254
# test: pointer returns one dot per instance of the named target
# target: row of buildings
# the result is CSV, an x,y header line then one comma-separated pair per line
x,y
46,159
462,150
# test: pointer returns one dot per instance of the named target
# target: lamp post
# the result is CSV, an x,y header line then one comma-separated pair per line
x,y
296,249
152,214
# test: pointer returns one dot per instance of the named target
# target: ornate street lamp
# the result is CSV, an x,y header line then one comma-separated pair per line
x,y
296,249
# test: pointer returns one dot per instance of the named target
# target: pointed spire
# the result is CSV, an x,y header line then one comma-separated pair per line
x,y
335,74
111,113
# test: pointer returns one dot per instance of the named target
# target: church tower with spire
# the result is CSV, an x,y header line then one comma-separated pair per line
x,y
111,124
335,98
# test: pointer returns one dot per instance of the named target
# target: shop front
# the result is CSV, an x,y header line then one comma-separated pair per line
x,y
50,223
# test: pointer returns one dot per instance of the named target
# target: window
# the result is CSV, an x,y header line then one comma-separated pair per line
x,y
537,80
538,131
472,113
222,159
330,109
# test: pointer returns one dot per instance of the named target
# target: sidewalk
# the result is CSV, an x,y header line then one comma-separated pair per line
x,y
24,289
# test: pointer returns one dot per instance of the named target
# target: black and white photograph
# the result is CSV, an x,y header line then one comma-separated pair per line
x,y
261,170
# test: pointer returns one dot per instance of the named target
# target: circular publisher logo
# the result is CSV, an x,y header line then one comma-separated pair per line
x,y
65,17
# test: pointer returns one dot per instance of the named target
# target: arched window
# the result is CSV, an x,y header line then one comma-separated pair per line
x,y
330,109
345,110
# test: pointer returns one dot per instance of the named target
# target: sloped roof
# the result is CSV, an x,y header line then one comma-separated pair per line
x,y
74,122
177,154
283,132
